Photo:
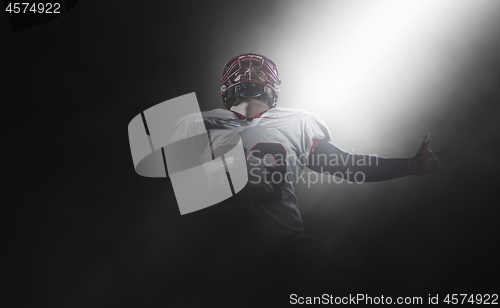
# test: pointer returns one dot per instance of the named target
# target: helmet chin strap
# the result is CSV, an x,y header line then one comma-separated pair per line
x,y
252,89
249,89
257,95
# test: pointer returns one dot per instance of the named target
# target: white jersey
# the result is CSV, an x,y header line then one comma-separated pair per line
x,y
277,145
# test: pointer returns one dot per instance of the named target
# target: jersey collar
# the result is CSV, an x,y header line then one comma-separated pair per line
x,y
242,117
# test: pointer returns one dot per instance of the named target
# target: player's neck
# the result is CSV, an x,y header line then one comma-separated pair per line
x,y
250,107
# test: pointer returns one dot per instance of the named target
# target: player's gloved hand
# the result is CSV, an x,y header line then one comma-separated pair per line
x,y
426,161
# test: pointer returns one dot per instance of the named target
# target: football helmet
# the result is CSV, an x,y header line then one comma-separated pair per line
x,y
250,75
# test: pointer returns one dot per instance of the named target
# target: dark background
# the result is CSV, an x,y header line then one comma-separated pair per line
x,y
84,230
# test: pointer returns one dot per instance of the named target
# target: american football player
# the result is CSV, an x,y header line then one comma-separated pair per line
x,y
279,143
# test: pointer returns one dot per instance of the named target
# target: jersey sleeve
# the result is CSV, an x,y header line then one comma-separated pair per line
x,y
188,126
314,131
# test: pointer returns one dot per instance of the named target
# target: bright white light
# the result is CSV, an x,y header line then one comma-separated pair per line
x,y
377,68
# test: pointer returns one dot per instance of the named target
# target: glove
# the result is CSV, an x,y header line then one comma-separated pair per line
x,y
426,161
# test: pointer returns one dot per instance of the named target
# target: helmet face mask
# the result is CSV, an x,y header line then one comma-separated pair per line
x,y
250,75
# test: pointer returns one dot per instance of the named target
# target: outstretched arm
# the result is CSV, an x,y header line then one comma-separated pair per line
x,y
328,158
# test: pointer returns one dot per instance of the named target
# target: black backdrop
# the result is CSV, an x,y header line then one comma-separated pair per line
x,y
83,230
